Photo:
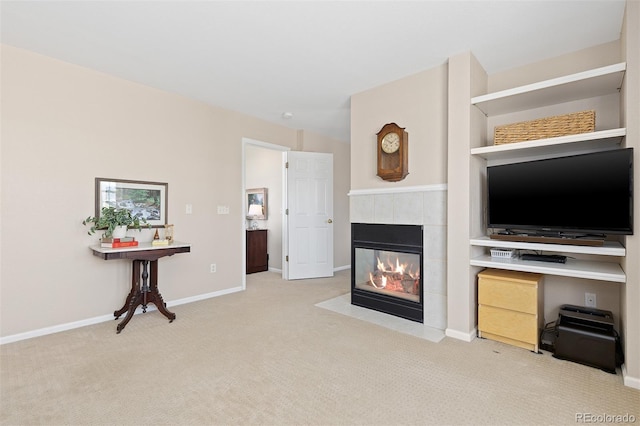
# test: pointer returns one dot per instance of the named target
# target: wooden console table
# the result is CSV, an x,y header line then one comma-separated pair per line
x,y
145,291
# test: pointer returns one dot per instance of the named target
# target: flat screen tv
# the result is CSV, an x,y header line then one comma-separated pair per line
x,y
583,194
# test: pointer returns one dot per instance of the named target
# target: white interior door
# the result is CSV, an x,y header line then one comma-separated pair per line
x,y
310,215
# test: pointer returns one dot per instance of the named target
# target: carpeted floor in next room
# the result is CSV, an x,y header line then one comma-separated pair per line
x,y
270,356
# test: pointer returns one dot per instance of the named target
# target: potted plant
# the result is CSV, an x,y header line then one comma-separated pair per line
x,y
115,222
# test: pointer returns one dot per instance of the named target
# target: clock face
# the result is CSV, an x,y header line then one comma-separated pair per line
x,y
390,143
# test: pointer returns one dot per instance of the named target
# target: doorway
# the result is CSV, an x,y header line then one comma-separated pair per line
x,y
300,208
263,168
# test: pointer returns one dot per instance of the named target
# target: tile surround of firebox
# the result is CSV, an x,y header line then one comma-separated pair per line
x,y
416,205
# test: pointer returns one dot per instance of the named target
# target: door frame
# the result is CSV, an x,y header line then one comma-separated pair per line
x,y
243,228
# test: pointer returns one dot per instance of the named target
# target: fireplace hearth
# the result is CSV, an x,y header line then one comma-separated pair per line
x,y
386,263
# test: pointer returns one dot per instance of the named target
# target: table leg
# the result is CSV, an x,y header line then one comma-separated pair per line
x,y
142,293
154,295
135,301
135,297
135,287
145,285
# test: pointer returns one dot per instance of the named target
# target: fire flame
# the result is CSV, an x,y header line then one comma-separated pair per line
x,y
391,273
383,284
398,268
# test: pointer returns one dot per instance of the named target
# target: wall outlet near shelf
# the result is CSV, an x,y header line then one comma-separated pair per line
x,y
590,300
213,268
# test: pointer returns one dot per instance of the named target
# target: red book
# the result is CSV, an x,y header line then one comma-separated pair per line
x,y
119,244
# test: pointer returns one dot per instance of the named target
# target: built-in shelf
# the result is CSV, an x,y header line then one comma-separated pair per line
x,y
589,269
587,84
603,271
573,144
599,89
609,248
583,85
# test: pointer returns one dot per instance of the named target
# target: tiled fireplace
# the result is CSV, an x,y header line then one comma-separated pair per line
x,y
417,289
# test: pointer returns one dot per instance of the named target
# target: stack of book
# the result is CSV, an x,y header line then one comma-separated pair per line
x,y
118,242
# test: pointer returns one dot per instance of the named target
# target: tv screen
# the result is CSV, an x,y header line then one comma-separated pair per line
x,y
588,193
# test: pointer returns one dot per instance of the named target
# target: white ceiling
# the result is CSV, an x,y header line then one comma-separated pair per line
x,y
263,58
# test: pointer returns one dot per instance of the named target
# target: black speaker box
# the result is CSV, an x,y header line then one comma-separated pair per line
x,y
586,336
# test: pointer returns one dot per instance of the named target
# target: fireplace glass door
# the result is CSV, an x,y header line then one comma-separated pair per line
x,y
392,273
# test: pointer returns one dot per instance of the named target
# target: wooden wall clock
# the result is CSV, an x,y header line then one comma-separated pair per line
x,y
393,152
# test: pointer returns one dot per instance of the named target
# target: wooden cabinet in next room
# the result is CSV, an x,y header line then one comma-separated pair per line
x,y
257,256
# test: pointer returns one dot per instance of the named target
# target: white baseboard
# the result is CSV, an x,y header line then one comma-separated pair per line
x,y
467,337
55,329
108,317
339,268
632,382
204,296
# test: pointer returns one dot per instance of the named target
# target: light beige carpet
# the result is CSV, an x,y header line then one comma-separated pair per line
x,y
270,356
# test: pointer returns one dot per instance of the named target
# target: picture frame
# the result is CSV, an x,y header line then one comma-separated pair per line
x,y
147,200
257,203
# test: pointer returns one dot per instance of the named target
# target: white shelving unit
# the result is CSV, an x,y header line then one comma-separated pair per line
x,y
592,83
588,269
582,85
609,248
584,142
603,271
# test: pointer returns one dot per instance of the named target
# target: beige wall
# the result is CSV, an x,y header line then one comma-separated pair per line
x,y
592,57
419,104
631,108
64,125
466,79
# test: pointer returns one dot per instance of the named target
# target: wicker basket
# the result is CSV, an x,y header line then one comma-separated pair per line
x,y
549,127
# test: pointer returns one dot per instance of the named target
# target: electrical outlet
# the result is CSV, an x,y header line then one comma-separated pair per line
x,y
213,268
590,300
188,209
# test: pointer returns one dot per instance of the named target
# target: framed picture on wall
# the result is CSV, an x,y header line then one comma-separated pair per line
x,y
257,203
146,200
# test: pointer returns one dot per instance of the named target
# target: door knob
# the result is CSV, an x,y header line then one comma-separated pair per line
x,y
329,221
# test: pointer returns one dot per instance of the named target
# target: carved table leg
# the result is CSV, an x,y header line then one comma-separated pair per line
x,y
145,285
135,285
154,295
135,301
142,293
